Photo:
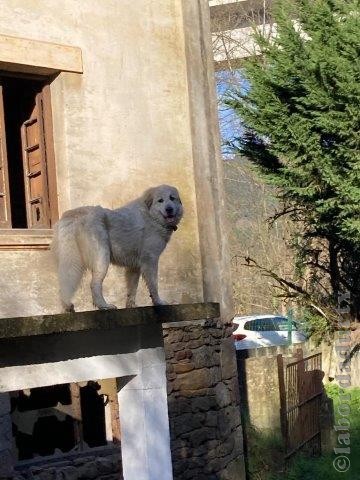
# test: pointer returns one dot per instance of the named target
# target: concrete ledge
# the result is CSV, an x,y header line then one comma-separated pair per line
x,y
204,322
34,56
105,320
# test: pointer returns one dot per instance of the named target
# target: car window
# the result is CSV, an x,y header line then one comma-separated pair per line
x,y
281,324
249,325
260,325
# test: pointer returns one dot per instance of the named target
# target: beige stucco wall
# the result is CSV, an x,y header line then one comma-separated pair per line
x,y
123,125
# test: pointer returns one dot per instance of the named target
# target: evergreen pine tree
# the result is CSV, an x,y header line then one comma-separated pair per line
x,y
301,115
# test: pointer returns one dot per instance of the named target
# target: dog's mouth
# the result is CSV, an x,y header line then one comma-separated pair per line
x,y
169,218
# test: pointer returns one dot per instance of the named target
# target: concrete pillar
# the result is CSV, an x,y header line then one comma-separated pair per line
x,y
208,164
6,456
145,436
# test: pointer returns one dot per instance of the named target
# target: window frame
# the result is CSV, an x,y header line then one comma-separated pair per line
x,y
37,238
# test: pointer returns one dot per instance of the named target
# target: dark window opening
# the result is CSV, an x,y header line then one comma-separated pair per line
x,y
19,103
28,196
41,422
66,417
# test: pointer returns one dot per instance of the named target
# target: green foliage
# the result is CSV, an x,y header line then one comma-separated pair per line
x,y
334,392
302,119
265,454
317,326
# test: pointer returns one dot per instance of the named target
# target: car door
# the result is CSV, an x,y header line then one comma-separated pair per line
x,y
281,326
267,334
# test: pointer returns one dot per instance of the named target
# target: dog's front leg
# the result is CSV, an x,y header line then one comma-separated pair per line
x,y
149,270
132,276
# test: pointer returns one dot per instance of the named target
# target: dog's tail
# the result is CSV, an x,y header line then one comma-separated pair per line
x,y
69,262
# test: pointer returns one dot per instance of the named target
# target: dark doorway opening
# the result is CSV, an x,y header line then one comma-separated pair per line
x,y
93,415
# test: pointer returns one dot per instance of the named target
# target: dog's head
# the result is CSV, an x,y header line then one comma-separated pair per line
x,y
164,205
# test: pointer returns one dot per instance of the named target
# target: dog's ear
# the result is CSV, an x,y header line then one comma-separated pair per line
x,y
148,197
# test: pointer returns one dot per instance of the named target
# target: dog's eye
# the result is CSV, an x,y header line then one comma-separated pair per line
x,y
172,198
160,200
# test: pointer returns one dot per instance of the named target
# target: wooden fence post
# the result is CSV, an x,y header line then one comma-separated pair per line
x,y
282,392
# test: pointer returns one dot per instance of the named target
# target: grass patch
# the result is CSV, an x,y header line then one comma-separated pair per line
x,y
265,456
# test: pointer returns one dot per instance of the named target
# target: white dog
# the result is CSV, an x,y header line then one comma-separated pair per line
x,y
132,236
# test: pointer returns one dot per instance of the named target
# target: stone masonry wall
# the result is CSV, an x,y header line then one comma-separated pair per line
x,y
5,436
203,399
103,465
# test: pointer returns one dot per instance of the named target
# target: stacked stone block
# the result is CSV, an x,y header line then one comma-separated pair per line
x,y
106,466
203,399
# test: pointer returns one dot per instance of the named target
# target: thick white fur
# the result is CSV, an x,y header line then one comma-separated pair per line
x,y
132,236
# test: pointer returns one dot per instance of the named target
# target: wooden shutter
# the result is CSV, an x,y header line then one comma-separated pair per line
x,y
35,171
5,212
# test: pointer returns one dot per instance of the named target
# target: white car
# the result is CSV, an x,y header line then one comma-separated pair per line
x,y
264,331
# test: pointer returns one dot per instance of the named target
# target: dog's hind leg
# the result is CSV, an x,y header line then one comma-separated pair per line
x,y
132,276
70,274
99,270
70,265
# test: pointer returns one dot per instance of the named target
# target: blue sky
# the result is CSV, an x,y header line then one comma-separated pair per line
x,y
230,124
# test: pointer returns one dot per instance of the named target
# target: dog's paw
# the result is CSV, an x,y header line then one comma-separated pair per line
x,y
130,304
107,306
69,308
160,302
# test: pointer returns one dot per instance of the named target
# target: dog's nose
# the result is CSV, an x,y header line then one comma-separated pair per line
x,y
169,210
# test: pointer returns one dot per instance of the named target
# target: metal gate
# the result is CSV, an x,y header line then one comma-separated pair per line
x,y
300,384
